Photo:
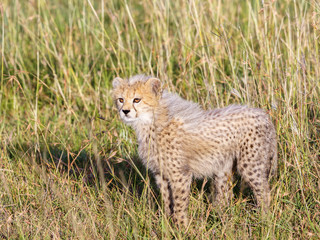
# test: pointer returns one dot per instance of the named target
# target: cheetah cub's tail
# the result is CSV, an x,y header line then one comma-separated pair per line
x,y
274,166
273,155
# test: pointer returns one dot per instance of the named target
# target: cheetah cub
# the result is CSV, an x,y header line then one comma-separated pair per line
x,y
178,141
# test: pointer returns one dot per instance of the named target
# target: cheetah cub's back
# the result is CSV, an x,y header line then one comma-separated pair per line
x,y
178,140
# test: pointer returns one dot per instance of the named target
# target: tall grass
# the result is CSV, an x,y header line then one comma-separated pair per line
x,y
69,168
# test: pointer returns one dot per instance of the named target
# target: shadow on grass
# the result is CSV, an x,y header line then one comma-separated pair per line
x,y
83,165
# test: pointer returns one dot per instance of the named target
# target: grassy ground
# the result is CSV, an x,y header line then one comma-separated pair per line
x,y
66,173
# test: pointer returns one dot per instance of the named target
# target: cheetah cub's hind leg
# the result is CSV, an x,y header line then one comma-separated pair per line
x,y
222,189
254,169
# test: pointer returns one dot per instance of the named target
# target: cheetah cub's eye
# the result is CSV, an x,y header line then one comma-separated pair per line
x,y
120,100
136,100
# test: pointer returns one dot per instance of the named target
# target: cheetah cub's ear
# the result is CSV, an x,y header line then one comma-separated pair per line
x,y
117,82
155,85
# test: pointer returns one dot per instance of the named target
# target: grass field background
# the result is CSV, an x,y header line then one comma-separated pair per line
x,y
69,168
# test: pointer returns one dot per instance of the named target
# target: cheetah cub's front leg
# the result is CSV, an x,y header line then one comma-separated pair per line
x,y
175,190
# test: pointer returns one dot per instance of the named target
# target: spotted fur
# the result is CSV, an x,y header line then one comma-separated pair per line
x,y
178,140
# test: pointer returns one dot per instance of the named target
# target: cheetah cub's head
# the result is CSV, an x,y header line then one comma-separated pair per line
x,y
136,98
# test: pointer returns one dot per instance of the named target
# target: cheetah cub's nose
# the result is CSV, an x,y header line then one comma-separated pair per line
x,y
125,111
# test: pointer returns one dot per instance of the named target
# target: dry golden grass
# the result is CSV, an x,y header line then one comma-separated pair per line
x,y
66,173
